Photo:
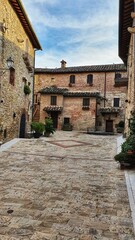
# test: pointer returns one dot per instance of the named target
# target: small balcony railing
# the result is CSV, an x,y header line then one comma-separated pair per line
x,y
121,82
107,110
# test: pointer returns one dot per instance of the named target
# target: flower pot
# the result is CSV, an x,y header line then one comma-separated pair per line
x,y
47,134
37,135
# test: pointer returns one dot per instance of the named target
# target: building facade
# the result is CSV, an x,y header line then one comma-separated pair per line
x,y
17,42
90,98
127,53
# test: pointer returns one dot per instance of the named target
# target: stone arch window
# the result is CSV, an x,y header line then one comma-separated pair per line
x,y
90,79
12,76
72,79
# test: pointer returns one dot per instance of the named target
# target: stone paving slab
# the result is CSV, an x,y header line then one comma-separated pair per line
x,y
66,187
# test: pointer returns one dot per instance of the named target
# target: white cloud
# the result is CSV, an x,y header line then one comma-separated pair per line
x,y
84,55
92,38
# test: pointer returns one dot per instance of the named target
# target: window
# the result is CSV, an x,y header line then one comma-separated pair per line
x,y
66,120
90,79
12,76
86,102
72,79
116,102
53,100
117,75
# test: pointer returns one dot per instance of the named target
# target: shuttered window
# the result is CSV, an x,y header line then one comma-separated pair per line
x,y
90,79
86,102
53,100
116,102
72,79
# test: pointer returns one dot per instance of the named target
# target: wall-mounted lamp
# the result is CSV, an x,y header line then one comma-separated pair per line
x,y
10,63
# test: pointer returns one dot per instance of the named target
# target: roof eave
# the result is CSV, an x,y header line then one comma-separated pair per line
x,y
20,11
125,21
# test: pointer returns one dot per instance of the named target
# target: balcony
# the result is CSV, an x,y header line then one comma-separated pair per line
x,y
121,82
109,110
53,108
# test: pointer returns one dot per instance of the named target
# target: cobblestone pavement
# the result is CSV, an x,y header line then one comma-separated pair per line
x,y
65,187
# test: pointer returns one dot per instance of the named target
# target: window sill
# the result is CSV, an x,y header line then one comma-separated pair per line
x,y
85,108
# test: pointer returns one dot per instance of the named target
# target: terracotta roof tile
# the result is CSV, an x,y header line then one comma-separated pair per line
x,y
79,69
55,90
81,94
53,108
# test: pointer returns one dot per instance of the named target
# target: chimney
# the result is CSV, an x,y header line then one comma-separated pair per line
x,y
63,64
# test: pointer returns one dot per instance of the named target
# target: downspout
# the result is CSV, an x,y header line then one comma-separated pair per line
x,y
105,90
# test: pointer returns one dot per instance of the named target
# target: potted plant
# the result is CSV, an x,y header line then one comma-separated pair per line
x,y
49,128
127,155
38,128
120,127
27,90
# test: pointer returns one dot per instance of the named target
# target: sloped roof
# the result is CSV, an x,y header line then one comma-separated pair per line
x,y
81,94
53,90
125,21
20,11
80,69
53,108
66,93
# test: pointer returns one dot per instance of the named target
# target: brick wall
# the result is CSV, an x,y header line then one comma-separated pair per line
x,y
72,107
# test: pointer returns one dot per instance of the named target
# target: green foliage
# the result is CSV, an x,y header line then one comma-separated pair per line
x,y
129,144
38,127
27,90
125,158
49,125
132,125
120,157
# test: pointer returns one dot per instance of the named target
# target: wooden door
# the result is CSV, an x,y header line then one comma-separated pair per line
x,y
109,125
54,116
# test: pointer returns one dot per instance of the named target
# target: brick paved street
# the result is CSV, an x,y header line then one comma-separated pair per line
x,y
66,187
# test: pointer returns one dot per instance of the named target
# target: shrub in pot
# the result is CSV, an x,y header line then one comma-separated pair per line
x,y
27,90
38,128
49,128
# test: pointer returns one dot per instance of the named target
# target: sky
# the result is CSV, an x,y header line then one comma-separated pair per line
x,y
81,32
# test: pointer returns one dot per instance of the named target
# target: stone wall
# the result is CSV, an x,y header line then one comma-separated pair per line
x,y
130,99
13,102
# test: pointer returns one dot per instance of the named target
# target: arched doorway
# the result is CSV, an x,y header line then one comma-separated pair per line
x,y
22,126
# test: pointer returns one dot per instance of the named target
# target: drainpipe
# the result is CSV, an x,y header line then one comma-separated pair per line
x,y
105,90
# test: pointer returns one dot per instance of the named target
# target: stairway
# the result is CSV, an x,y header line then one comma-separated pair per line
x,y
36,113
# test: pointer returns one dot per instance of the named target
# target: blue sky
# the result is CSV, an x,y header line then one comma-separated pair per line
x,y
82,32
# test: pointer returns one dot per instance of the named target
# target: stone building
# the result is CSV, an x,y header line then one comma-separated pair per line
x,y
18,42
127,53
88,97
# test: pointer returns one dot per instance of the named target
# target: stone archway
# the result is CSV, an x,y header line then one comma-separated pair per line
x,y
22,126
